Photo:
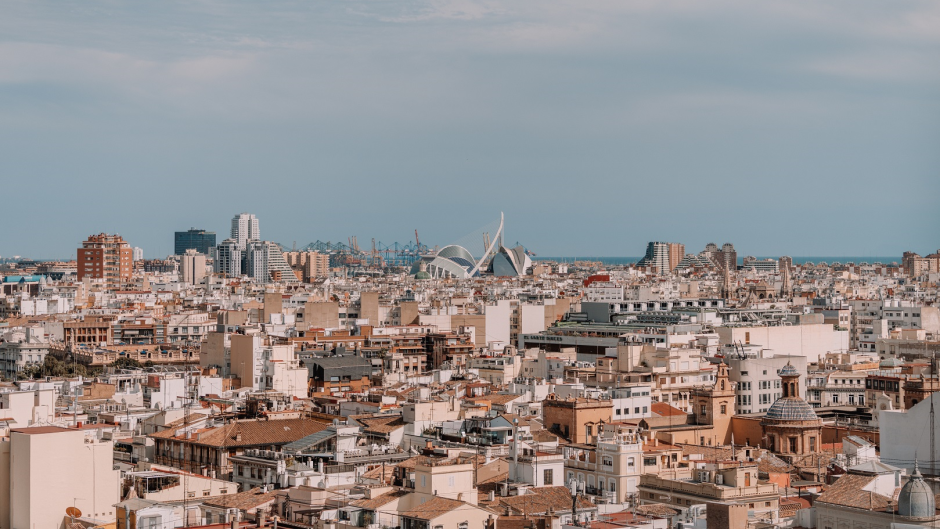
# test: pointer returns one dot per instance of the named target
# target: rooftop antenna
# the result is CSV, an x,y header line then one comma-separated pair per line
x,y
933,433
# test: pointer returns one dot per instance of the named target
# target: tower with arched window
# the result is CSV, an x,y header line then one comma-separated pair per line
x,y
791,427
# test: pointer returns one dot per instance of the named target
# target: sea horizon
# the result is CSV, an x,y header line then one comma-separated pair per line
x,y
620,260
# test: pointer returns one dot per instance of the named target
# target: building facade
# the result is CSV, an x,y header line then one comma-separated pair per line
x,y
200,240
107,257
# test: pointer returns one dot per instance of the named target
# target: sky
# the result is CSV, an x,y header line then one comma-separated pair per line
x,y
784,127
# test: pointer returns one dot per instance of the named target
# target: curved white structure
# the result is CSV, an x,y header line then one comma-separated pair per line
x,y
490,249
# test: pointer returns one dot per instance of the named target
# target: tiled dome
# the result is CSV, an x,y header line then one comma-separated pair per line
x,y
791,409
916,498
788,371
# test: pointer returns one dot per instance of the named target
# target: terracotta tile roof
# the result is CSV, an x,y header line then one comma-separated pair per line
x,y
546,436
381,425
768,463
383,474
847,491
379,501
242,501
498,399
433,508
656,509
664,410
789,506
542,499
709,453
248,433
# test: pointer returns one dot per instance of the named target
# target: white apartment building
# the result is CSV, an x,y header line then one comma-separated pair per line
x,y
605,291
496,369
193,327
756,384
28,407
21,347
875,319
267,367
836,388
228,259
633,402
611,469
812,340
245,228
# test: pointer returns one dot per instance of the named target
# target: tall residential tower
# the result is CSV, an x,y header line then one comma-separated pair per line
x,y
245,229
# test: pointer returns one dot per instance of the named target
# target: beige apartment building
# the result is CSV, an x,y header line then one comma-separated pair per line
x,y
46,469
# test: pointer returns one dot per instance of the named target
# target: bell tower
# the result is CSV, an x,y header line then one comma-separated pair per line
x,y
715,406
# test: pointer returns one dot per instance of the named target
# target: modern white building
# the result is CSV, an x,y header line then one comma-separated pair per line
x,y
632,402
228,258
754,374
245,229
905,436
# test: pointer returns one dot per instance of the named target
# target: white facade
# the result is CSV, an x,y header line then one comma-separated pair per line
x,y
245,228
756,383
633,402
228,258
22,347
812,340
904,436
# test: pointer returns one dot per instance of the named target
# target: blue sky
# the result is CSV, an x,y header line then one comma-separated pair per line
x,y
801,128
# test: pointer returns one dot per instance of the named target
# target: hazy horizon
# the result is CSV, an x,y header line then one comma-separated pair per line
x,y
596,126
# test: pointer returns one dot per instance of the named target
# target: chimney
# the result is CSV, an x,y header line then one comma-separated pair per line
x,y
655,441
234,522
261,520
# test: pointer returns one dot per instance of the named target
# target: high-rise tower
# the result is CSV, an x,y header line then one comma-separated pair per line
x,y
107,257
245,229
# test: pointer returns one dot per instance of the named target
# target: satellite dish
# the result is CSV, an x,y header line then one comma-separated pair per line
x,y
73,512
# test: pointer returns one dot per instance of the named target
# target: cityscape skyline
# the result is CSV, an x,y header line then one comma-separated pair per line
x,y
637,251
470,264
764,125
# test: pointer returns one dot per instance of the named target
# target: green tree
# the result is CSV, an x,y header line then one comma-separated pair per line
x,y
126,363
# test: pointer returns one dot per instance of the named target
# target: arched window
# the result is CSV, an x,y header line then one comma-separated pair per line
x,y
722,385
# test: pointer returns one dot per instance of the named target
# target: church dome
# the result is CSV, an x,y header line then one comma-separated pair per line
x,y
791,409
916,499
788,371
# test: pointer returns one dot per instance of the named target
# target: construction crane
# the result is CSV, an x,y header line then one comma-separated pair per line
x,y
417,242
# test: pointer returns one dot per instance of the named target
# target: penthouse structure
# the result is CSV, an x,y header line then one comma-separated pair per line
x,y
200,240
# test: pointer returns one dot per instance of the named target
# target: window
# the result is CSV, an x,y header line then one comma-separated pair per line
x,y
812,444
151,522
724,409
703,410
548,477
